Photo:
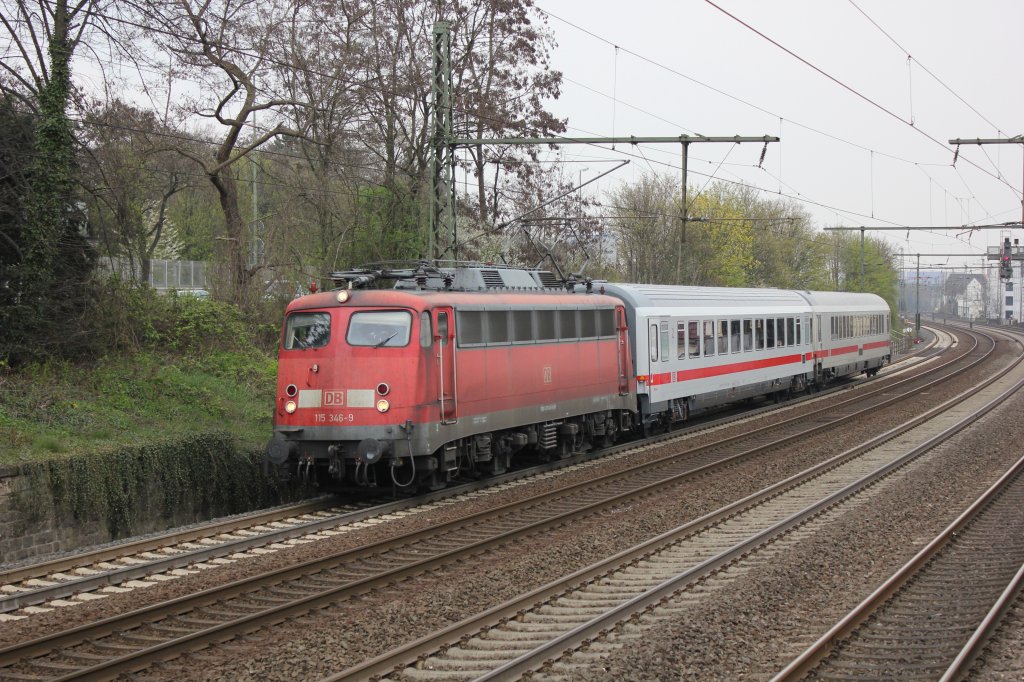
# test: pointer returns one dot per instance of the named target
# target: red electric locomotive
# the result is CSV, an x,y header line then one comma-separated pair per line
x,y
451,371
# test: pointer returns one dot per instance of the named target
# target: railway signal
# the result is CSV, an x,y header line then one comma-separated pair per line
x,y
1006,261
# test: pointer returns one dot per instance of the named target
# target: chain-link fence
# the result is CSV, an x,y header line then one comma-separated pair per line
x,y
163,274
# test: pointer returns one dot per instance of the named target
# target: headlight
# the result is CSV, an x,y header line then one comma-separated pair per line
x,y
383,406
290,407
342,295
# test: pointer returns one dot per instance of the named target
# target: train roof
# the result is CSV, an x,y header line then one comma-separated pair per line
x,y
427,298
843,301
664,296
660,297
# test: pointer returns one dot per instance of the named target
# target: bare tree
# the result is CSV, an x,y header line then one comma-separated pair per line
x,y
502,77
230,54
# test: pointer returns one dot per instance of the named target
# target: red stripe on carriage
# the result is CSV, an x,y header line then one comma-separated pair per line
x,y
844,350
876,344
704,372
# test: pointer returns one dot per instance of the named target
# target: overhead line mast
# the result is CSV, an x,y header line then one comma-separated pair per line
x,y
444,234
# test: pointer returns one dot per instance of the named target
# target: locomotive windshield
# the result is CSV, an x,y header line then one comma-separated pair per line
x,y
307,330
379,328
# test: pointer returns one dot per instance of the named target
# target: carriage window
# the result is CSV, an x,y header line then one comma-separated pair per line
x,y
734,336
606,322
425,337
654,343
759,333
780,332
790,331
709,337
664,341
588,324
723,337
307,330
522,325
693,338
567,329
748,335
379,328
798,326
546,325
680,340
769,328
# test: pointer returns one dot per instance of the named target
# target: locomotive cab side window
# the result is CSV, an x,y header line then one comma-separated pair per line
x,y
379,328
442,328
426,338
307,330
654,342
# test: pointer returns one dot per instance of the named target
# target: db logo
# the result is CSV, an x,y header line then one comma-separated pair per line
x,y
334,398
547,375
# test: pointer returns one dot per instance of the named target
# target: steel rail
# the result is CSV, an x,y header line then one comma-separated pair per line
x,y
140,659
824,646
217,593
422,648
66,588
975,646
594,628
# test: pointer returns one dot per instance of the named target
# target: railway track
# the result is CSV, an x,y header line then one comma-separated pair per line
x,y
549,631
932,618
165,630
71,580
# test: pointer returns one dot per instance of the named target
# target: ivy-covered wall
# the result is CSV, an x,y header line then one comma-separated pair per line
x,y
61,504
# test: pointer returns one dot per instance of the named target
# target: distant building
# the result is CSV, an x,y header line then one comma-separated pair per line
x,y
964,295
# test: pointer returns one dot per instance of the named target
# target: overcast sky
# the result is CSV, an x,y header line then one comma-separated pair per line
x,y
849,153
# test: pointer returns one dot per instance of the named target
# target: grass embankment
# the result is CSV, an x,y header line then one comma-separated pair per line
x,y
177,366
63,409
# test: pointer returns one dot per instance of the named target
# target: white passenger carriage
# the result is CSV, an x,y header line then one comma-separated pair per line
x,y
697,347
851,333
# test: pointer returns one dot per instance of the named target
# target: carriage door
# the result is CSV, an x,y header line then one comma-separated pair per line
x,y
444,351
622,332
